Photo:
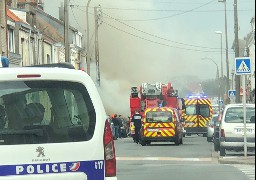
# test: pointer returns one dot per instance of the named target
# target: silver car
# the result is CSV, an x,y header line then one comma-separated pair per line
x,y
210,128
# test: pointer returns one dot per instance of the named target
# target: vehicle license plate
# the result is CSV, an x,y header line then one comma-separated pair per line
x,y
189,123
153,130
241,130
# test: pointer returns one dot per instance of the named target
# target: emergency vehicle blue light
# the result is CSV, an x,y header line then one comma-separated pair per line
x,y
197,96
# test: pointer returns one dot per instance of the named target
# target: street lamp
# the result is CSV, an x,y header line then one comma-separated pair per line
x,y
218,78
220,33
226,34
88,34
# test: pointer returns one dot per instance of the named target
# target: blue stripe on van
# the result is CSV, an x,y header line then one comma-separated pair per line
x,y
93,169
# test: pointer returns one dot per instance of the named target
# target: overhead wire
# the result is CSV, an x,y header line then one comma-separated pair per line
x,y
185,44
167,17
159,36
163,44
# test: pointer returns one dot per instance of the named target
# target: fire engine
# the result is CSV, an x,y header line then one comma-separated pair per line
x,y
196,113
153,96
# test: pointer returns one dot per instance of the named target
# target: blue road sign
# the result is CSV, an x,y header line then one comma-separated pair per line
x,y
231,93
243,65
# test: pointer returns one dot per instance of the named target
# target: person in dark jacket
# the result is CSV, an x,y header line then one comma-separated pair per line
x,y
115,121
136,119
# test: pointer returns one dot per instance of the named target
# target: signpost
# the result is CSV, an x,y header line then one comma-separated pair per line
x,y
243,68
232,96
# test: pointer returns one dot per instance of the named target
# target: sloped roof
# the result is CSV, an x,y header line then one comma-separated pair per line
x,y
15,18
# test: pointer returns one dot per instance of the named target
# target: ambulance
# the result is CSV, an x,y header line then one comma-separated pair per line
x,y
196,114
161,124
53,126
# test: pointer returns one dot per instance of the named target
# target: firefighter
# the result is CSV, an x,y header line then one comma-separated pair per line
x,y
136,119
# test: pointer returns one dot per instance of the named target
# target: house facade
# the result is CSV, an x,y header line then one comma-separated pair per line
x,y
3,29
35,37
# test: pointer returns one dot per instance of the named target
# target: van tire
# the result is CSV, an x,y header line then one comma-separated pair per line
x,y
148,143
216,147
181,141
177,141
143,143
209,139
222,151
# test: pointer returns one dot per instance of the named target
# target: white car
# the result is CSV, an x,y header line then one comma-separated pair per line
x,y
232,128
210,127
53,126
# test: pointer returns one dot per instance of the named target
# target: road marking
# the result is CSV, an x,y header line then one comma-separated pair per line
x,y
248,170
162,159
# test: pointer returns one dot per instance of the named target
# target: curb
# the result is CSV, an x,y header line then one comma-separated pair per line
x,y
237,161
249,160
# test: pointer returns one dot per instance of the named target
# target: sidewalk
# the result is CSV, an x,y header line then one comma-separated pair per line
x,y
237,160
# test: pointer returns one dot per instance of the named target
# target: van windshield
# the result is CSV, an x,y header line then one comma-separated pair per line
x,y
156,116
33,112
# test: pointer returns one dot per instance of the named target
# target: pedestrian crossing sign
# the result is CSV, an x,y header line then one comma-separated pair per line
x,y
231,93
243,65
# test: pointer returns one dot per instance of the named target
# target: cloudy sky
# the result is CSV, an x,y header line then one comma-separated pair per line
x,y
156,41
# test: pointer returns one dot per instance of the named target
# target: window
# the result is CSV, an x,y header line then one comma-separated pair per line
x,y
204,110
190,110
155,116
46,112
11,42
236,115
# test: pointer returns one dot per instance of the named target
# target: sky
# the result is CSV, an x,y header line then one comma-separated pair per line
x,y
156,41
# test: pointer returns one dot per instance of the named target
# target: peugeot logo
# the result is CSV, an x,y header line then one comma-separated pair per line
x,y
40,151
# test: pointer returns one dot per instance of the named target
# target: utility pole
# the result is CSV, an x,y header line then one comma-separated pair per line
x,y
226,34
66,32
97,45
88,60
237,78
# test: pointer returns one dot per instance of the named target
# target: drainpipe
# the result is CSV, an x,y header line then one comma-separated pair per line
x,y
29,49
6,29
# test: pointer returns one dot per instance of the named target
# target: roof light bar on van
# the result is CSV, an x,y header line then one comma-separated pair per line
x,y
197,96
29,76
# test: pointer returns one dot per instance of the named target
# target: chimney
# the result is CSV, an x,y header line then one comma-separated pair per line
x,y
61,12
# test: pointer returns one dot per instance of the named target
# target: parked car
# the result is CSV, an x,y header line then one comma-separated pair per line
x,y
55,126
210,128
216,133
232,128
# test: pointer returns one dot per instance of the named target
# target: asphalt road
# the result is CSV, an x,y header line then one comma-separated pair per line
x,y
164,161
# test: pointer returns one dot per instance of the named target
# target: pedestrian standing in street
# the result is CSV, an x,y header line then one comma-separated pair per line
x,y
4,61
115,121
120,120
136,119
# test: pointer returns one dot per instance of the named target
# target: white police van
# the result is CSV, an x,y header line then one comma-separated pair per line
x,y
53,126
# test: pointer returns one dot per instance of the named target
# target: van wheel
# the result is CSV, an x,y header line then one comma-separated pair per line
x,y
143,143
148,143
216,147
177,141
209,139
222,151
